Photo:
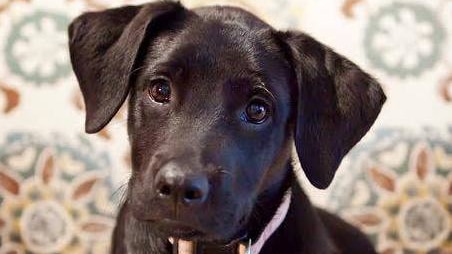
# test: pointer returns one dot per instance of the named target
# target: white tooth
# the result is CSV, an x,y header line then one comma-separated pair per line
x,y
242,249
185,247
171,240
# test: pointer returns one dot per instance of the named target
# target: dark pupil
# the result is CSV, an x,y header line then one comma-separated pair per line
x,y
256,112
161,92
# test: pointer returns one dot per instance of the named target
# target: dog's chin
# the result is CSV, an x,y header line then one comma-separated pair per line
x,y
215,230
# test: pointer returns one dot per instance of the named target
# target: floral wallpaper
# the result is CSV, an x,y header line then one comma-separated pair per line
x,y
398,190
409,55
55,196
60,188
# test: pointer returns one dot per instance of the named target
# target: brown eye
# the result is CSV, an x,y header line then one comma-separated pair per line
x,y
160,91
257,111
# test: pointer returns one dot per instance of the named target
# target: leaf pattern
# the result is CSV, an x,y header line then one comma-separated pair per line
x,y
367,219
12,98
347,7
449,192
94,227
2,223
97,225
445,88
8,183
382,179
47,167
105,134
421,165
84,188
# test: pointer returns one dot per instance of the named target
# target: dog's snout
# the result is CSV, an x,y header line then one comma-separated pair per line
x,y
172,183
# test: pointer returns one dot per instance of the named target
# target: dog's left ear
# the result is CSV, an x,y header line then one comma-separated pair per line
x,y
337,104
105,47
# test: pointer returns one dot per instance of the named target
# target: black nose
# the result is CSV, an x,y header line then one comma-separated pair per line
x,y
172,183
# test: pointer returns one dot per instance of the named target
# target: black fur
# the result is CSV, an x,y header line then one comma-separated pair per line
x,y
218,59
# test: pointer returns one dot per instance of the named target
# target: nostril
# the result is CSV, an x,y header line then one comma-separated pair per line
x,y
165,190
193,194
195,190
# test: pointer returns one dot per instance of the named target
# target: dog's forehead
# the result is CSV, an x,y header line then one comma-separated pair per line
x,y
226,47
221,49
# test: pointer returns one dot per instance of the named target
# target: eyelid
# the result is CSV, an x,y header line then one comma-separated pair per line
x,y
263,93
154,78
260,89
160,76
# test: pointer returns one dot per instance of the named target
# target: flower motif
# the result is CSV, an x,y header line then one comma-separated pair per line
x,y
404,39
36,48
45,208
402,202
420,198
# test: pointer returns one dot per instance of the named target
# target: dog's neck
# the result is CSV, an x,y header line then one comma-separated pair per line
x,y
273,204
267,204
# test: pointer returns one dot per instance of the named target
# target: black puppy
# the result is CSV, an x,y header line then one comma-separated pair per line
x,y
216,100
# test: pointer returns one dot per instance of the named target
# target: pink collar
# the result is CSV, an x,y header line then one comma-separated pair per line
x,y
274,224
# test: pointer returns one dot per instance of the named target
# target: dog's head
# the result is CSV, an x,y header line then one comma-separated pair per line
x,y
216,100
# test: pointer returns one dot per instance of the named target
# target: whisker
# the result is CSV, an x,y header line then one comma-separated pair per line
x,y
225,172
137,69
121,191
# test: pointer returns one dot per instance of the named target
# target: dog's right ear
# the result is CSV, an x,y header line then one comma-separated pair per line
x,y
337,104
104,47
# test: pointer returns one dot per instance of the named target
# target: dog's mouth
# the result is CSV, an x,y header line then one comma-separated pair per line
x,y
176,229
169,228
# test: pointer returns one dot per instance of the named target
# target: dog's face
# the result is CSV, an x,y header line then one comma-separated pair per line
x,y
216,98
209,110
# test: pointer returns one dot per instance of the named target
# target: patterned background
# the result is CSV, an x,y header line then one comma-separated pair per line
x,y
396,184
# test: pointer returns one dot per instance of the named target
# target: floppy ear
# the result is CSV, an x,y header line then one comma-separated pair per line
x,y
337,104
104,47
